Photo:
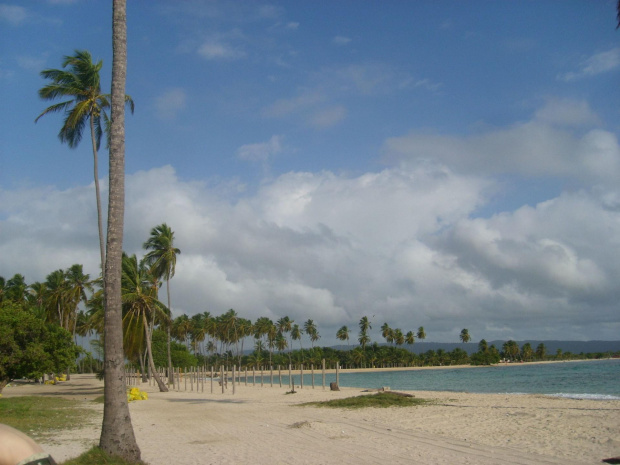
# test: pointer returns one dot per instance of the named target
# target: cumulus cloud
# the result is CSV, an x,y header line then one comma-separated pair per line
x,y
13,14
170,103
543,146
598,63
261,151
400,245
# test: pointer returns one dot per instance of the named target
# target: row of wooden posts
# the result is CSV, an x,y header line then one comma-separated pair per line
x,y
198,376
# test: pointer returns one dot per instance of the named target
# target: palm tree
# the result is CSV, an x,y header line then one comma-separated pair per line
x,y
140,305
296,333
398,337
364,327
182,327
311,331
421,333
80,83
365,324
410,338
285,325
386,331
117,435
464,336
343,334
163,259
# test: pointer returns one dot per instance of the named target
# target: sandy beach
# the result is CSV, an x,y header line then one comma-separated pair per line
x,y
265,425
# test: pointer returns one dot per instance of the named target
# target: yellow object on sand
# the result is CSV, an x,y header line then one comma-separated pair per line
x,y
136,394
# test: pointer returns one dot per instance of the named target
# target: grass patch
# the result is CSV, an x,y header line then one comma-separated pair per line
x,y
96,456
379,400
40,416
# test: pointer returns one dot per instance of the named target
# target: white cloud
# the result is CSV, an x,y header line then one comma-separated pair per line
x,y
567,112
398,245
170,103
544,146
261,151
217,50
13,14
341,40
598,63
329,116
285,107
292,25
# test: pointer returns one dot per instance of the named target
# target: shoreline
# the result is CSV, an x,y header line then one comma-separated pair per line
x,y
268,426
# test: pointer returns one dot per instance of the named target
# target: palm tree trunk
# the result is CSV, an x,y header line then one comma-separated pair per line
x,y
117,435
160,384
98,195
170,377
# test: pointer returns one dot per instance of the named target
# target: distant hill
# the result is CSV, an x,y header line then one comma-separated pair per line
x,y
576,347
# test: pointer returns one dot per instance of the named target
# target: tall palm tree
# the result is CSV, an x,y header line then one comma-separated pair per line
x,y
464,336
398,337
140,305
410,338
79,82
117,435
421,333
364,338
343,334
162,257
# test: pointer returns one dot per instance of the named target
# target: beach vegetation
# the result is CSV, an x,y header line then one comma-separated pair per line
x,y
41,416
378,400
30,347
96,456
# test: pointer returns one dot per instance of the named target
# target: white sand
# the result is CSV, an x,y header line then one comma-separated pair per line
x,y
263,426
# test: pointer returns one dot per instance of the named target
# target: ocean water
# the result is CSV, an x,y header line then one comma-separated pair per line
x,y
599,379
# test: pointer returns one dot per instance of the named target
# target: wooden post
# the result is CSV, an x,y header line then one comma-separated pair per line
x,y
253,376
323,368
212,374
222,377
280,374
338,373
290,376
261,376
301,372
271,374
234,384
312,369
185,377
246,375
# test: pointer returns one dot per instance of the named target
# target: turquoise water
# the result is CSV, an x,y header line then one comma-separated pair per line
x,y
598,379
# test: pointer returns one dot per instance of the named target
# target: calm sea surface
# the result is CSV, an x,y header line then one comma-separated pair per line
x,y
598,379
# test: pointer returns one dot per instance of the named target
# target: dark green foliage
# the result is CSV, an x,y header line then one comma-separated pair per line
x,y
381,400
29,347
180,355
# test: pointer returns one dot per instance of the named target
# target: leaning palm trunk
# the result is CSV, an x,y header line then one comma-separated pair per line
x,y
117,435
160,384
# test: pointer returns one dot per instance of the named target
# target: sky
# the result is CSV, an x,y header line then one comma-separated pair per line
x,y
443,164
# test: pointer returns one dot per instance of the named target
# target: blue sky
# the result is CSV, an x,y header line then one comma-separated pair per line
x,y
439,163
